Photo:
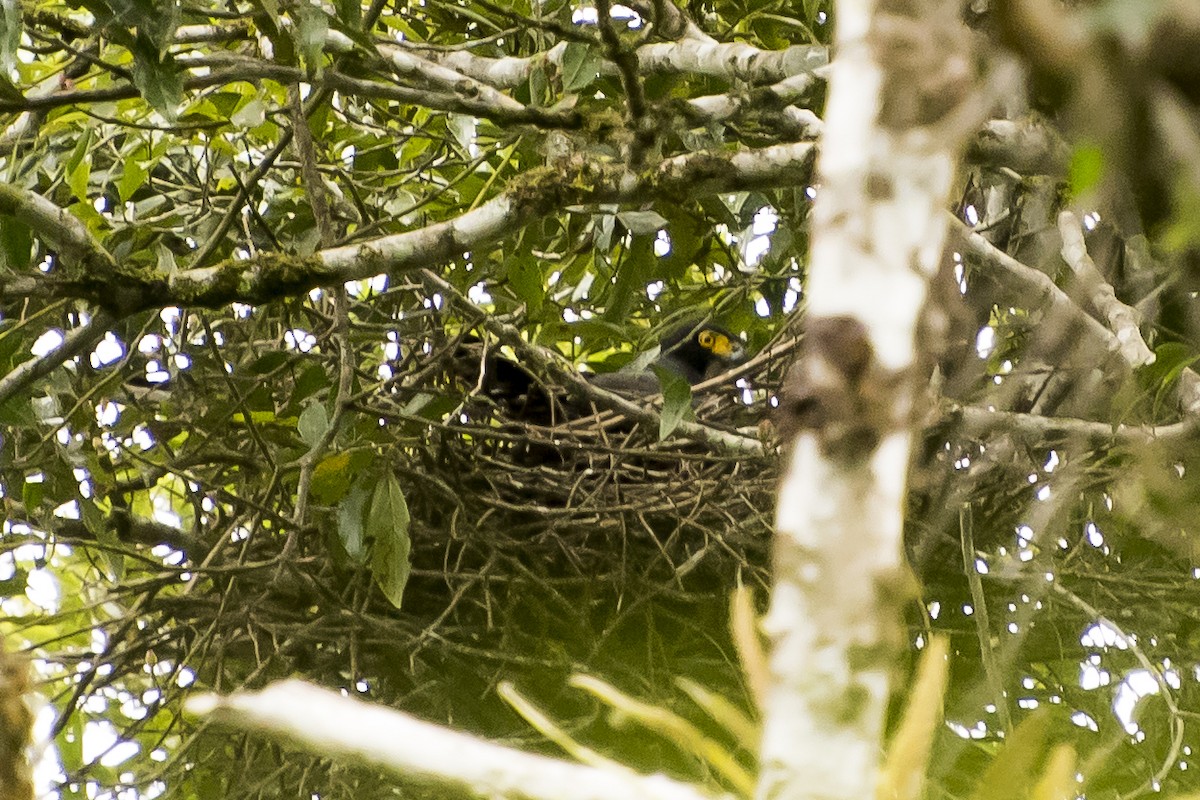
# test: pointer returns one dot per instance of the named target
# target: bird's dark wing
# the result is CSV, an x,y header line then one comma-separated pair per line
x,y
628,384
695,352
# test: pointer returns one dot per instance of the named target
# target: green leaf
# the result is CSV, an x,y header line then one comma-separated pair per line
x,y
16,245
677,401
642,222
69,743
580,66
11,26
133,177
463,128
158,78
312,26
101,527
268,362
539,85
524,275
349,13
635,271
14,585
32,494
387,528
313,423
251,115
350,523
332,478
1086,169
78,153
270,8
77,179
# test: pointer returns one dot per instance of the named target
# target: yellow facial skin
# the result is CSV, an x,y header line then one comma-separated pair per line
x,y
716,343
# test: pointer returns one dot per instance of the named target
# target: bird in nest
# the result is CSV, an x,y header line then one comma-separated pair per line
x,y
694,352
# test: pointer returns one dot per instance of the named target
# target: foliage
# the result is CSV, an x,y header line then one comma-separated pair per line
x,y
305,475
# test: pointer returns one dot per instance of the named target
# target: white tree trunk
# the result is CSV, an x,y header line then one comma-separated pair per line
x,y
884,173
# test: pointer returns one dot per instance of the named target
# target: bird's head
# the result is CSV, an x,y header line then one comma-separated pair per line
x,y
700,351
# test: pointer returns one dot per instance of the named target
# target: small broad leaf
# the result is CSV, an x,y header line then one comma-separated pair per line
x,y
349,13
106,534
312,26
525,277
16,245
269,362
313,423
133,177
642,222
1086,169
643,361
250,115
580,66
677,401
331,478
637,268
387,528
77,179
159,79
10,34
539,86
462,127
32,494
350,523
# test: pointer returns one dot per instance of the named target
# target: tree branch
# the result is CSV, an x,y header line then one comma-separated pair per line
x,y
327,723
726,60
75,342
1122,320
537,195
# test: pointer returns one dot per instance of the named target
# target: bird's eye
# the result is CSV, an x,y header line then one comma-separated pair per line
x,y
707,339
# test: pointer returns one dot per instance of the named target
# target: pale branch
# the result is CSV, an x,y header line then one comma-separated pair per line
x,y
409,66
730,60
459,103
538,196
483,105
1122,320
329,724
725,60
979,422
76,341
543,361
202,34
779,96
77,248
504,72
1028,286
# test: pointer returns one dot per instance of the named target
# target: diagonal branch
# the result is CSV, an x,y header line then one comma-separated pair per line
x,y
538,194
75,342
327,723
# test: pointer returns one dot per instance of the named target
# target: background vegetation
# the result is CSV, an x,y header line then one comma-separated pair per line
x,y
245,438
